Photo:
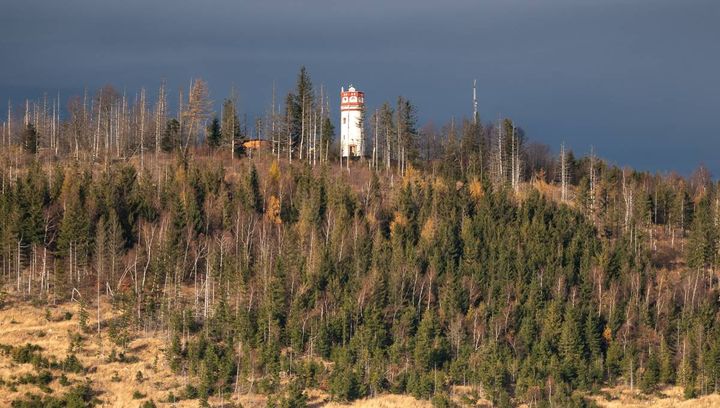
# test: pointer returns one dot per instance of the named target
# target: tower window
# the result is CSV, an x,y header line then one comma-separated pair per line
x,y
344,120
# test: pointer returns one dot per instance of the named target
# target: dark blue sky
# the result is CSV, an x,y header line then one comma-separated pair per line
x,y
638,79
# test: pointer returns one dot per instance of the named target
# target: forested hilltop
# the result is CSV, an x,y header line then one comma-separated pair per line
x,y
464,256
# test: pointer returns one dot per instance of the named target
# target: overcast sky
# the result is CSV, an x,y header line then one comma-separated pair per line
x,y
637,79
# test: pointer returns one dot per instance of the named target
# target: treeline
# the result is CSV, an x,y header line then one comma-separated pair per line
x,y
444,268
108,125
411,288
111,126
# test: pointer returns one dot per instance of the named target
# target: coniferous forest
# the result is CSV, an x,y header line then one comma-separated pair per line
x,y
463,255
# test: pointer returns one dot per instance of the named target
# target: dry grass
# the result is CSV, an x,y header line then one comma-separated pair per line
x,y
385,401
23,323
667,398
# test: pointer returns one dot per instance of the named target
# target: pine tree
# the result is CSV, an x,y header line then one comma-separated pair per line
x,y
593,338
231,134
83,316
327,136
205,384
115,247
32,196
171,136
298,109
474,148
667,366
296,397
388,134
214,136
406,118
651,375
703,240
256,199
30,139
424,353
571,346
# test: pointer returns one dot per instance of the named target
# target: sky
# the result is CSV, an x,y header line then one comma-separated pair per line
x,y
636,79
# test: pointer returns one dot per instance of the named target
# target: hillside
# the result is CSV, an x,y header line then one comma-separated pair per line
x,y
271,283
115,382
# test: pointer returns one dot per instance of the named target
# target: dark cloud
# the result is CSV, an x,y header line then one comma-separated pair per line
x,y
636,79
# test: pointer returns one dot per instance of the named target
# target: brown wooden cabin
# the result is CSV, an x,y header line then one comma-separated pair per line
x,y
256,144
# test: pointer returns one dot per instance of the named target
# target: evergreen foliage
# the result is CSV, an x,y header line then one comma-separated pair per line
x,y
366,280
214,136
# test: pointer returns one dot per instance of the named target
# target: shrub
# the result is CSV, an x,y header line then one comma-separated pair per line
x,y
74,341
80,396
190,392
296,397
83,317
442,401
42,378
72,364
26,354
344,386
690,392
63,380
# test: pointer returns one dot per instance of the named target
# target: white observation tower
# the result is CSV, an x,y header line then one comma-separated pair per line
x,y
352,103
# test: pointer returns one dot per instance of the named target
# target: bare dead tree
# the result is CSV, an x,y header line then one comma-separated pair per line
x,y
9,123
627,198
593,183
197,110
563,173
515,160
160,113
142,129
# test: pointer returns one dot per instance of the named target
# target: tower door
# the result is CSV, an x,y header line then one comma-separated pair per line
x,y
352,150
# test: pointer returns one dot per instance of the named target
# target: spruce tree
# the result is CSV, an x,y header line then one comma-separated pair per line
x,y
651,375
256,199
214,136
667,365
30,139
571,346
703,240
230,128
171,136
